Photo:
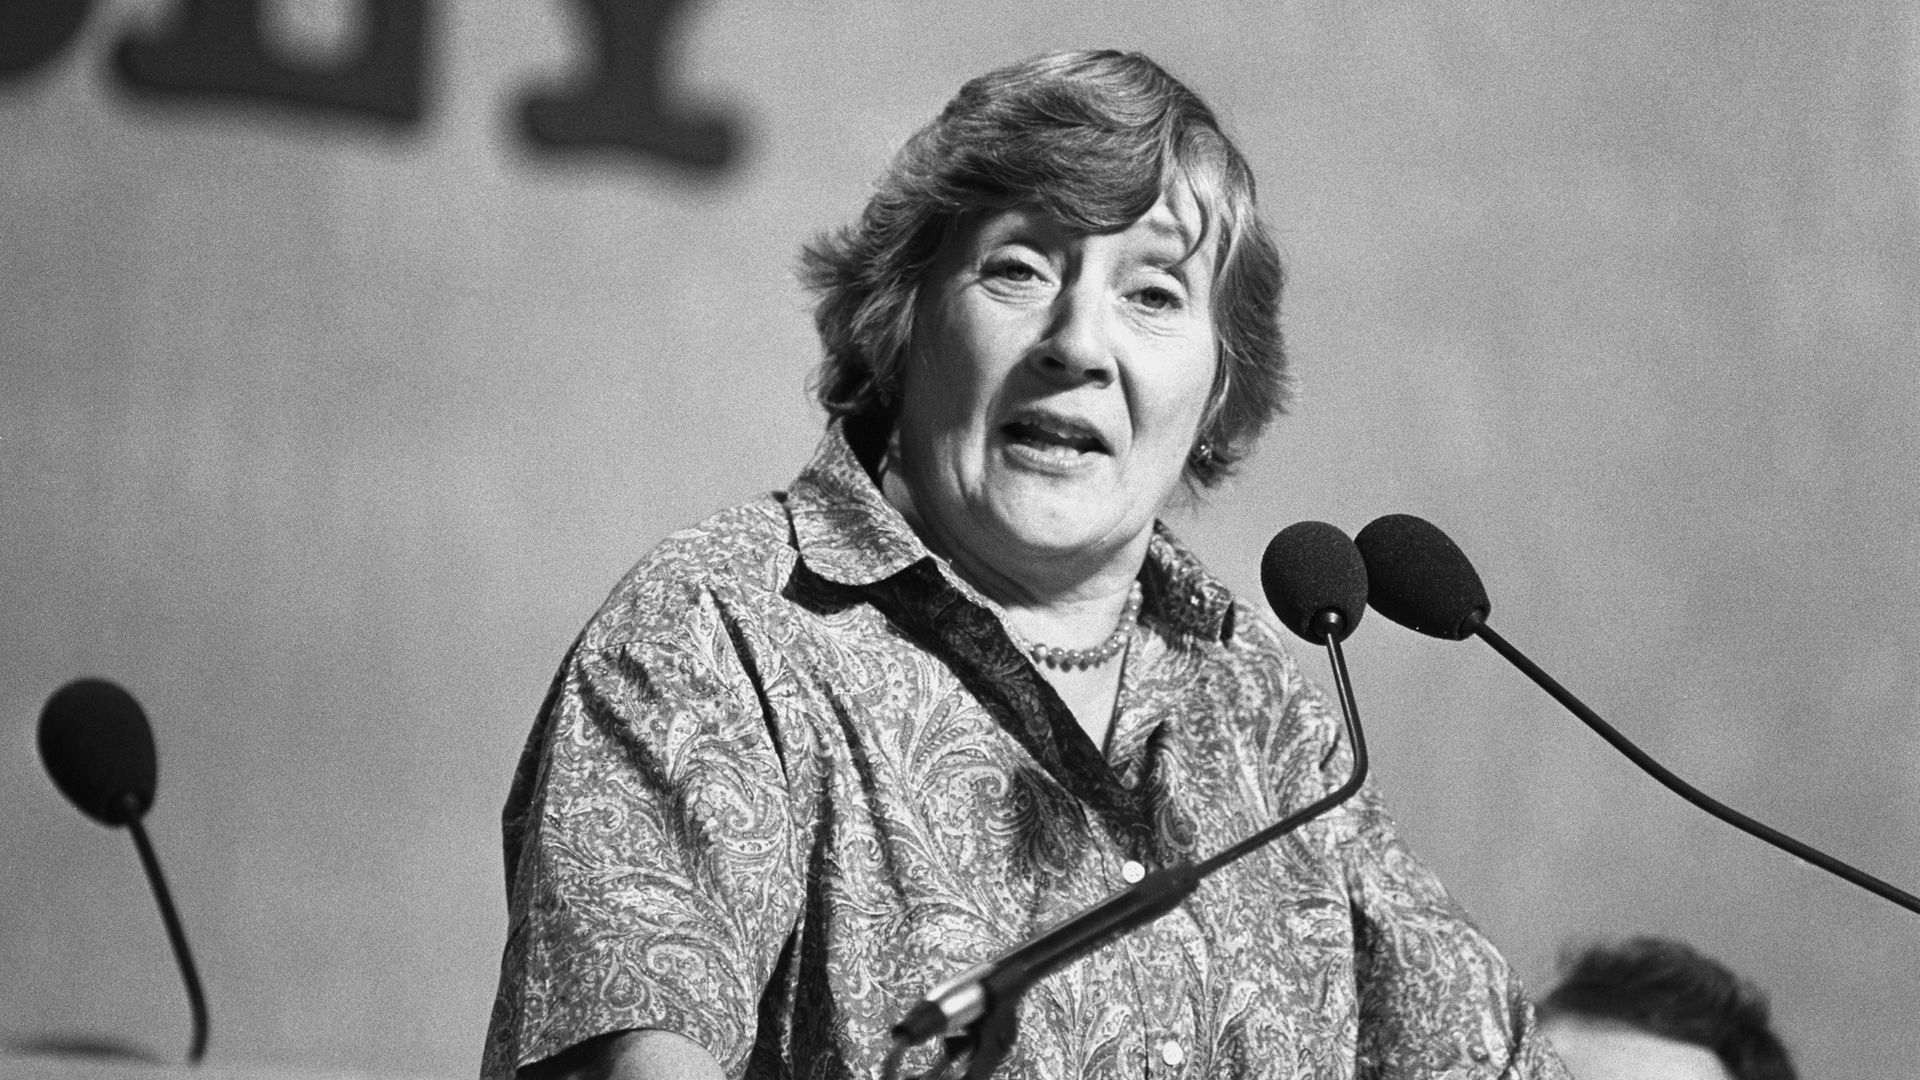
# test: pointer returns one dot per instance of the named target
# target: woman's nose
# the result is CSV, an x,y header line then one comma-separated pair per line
x,y
1079,346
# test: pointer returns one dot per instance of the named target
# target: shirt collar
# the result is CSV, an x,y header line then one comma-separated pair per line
x,y
1183,594
848,533
846,530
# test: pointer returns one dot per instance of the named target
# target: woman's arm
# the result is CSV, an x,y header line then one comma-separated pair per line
x,y
654,866
629,1055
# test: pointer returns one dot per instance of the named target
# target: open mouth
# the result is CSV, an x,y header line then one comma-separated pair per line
x,y
1053,434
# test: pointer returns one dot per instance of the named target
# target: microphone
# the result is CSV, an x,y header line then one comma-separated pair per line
x,y
1420,578
1311,569
98,748
1316,583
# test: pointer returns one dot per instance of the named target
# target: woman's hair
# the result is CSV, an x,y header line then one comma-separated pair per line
x,y
1093,139
1668,988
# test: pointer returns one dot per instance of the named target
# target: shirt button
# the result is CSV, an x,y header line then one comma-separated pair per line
x,y
1171,1053
1132,872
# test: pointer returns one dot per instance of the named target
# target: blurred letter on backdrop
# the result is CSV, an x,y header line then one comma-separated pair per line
x,y
34,31
217,47
625,107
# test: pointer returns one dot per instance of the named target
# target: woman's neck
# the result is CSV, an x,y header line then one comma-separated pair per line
x,y
1066,610
1066,601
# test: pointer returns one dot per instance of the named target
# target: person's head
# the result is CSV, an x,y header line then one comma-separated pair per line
x,y
1657,1009
1143,272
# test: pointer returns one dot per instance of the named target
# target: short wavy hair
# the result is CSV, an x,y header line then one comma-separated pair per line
x,y
1093,139
1670,989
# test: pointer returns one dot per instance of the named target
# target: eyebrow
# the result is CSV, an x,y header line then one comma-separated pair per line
x,y
1027,225
1175,229
1020,225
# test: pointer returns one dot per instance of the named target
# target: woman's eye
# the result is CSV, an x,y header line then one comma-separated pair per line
x,y
1012,270
1158,298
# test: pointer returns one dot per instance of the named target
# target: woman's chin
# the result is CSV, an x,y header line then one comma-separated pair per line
x,y
1068,521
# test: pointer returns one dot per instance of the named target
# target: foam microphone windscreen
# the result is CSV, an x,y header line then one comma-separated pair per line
x,y
98,747
1311,567
1420,578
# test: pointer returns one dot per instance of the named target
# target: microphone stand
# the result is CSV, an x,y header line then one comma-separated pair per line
x,y
1477,625
176,933
988,1016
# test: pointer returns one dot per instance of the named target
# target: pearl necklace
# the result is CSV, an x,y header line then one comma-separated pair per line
x,y
1069,659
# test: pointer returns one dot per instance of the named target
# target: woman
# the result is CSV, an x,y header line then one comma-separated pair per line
x,y
956,684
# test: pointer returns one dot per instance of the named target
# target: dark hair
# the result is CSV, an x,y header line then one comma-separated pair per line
x,y
1667,988
1093,139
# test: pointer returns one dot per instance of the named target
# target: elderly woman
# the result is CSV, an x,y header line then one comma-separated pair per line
x,y
957,684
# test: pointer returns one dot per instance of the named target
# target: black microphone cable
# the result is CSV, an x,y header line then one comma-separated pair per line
x,y
1418,577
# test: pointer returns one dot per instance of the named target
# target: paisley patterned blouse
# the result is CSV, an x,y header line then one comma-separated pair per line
x,y
794,772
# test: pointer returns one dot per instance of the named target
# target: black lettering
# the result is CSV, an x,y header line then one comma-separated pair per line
x,y
215,48
33,32
626,107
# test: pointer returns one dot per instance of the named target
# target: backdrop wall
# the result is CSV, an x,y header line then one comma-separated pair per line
x,y
324,429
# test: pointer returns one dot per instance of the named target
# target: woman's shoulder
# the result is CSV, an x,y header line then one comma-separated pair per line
x,y
1255,641
1259,629
740,555
1268,681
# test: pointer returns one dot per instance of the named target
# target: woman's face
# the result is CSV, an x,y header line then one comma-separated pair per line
x,y
1055,387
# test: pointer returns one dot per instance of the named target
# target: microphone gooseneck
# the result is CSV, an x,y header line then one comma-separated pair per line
x,y
98,748
1316,582
1419,578
1320,561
